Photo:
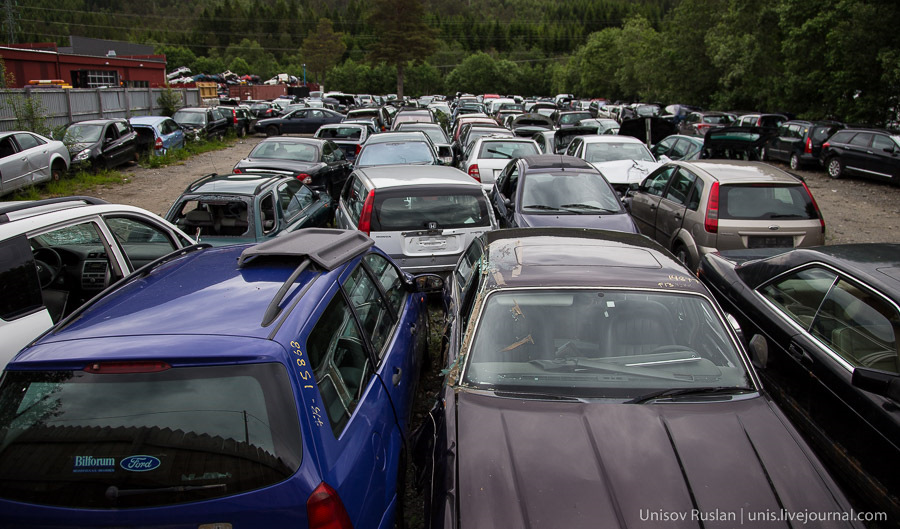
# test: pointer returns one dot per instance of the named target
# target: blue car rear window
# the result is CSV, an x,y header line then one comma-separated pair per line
x,y
112,441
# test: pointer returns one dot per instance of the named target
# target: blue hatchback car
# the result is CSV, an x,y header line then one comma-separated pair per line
x,y
158,134
240,386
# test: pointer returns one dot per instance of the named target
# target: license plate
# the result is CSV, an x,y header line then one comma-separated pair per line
x,y
770,242
432,242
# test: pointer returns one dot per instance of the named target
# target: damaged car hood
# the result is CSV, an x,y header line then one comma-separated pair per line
x,y
626,171
537,463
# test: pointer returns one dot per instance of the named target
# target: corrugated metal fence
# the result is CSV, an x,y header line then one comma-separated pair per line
x,y
62,107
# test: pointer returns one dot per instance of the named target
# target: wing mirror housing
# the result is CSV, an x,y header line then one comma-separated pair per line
x,y
878,382
759,351
428,283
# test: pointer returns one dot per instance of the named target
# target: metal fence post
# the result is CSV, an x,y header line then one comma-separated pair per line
x,y
127,104
100,101
150,97
68,92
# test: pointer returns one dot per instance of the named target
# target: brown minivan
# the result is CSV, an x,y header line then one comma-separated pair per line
x,y
693,208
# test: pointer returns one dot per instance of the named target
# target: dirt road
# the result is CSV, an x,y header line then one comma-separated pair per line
x,y
855,210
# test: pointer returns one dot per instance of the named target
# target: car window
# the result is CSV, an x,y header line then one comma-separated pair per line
x,y
860,326
285,150
121,128
765,202
7,147
341,366
168,127
18,279
613,151
570,192
800,294
26,141
140,241
355,198
267,213
371,308
693,201
110,133
506,150
389,278
316,114
656,182
680,187
512,183
418,209
879,144
861,140
291,199
215,217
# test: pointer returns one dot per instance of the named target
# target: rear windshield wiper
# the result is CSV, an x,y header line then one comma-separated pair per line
x,y
114,492
681,392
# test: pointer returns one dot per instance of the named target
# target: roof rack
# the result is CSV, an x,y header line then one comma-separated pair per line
x,y
22,206
200,181
327,248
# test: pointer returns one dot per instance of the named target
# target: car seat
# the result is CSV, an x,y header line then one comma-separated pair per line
x,y
638,327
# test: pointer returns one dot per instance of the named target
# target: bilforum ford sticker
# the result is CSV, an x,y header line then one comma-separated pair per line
x,y
139,463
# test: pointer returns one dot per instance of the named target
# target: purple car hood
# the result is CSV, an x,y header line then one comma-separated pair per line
x,y
531,464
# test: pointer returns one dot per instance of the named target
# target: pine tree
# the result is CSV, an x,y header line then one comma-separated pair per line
x,y
401,34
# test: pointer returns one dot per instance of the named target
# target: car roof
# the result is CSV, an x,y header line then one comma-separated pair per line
x,y
554,161
877,264
609,138
97,121
392,137
543,257
388,176
293,139
234,184
740,171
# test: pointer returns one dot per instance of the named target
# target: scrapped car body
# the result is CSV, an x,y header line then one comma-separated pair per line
x,y
101,143
241,208
27,159
623,160
823,327
349,137
241,386
486,156
58,253
157,135
694,208
623,395
422,216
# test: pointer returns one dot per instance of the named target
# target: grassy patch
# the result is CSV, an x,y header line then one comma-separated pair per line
x,y
191,148
76,183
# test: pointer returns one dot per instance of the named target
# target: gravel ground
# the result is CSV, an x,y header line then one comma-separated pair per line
x,y
855,210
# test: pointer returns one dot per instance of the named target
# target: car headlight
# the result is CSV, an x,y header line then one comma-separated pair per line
x,y
83,155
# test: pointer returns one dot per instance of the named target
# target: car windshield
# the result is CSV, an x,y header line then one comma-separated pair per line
x,y
406,152
505,150
569,119
190,118
120,440
259,106
437,135
83,133
765,202
576,192
602,343
613,151
283,150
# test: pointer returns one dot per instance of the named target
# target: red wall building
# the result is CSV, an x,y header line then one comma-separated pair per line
x,y
27,62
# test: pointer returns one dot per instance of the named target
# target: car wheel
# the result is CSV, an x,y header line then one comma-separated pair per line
x,y
57,171
795,162
835,168
683,256
242,132
764,154
272,130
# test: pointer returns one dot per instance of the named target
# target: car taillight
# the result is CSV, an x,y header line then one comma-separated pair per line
x,y
158,145
236,171
712,210
702,126
235,119
269,111
818,212
304,178
365,218
826,145
474,172
358,148
117,368
808,148
325,510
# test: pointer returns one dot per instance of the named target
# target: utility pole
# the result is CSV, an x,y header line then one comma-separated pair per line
x,y
9,19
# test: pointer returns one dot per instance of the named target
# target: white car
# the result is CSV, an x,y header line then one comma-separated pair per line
x,y
623,160
57,254
486,157
27,158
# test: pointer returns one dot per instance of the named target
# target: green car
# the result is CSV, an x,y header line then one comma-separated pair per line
x,y
240,208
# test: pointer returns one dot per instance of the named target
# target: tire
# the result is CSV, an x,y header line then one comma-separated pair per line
x,y
272,130
795,162
683,256
57,171
242,132
835,167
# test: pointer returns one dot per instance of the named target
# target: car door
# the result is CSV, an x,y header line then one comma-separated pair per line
x,y
36,154
340,168
505,202
885,157
857,153
296,202
142,240
315,119
126,142
109,149
353,197
645,200
294,122
14,170
671,208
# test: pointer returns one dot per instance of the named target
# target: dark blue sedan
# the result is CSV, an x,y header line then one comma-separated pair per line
x,y
241,386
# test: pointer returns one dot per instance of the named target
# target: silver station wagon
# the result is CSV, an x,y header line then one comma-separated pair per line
x,y
423,216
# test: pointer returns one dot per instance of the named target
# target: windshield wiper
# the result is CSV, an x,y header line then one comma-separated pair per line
x,y
587,206
586,365
541,206
533,395
114,492
501,153
681,392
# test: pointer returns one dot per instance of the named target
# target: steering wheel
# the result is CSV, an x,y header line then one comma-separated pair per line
x,y
49,264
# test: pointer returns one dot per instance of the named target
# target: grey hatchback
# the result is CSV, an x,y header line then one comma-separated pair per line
x,y
694,208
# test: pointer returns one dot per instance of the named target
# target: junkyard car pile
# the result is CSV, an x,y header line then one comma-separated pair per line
x,y
242,363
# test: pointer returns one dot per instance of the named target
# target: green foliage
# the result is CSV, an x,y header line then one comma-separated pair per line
x,y
191,148
83,182
239,66
322,49
169,101
401,34
30,114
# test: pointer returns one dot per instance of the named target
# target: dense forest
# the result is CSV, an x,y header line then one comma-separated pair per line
x,y
815,58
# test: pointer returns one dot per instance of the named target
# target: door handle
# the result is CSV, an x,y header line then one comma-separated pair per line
x,y
799,354
653,206
677,216
395,379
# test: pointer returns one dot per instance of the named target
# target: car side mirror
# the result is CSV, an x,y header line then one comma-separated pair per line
x,y
759,351
507,202
878,382
427,283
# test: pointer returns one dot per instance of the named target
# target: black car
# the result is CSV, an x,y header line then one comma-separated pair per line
x,y
592,381
527,125
202,123
799,142
264,110
553,190
320,164
239,117
103,143
823,327
869,153
302,121
569,118
678,147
